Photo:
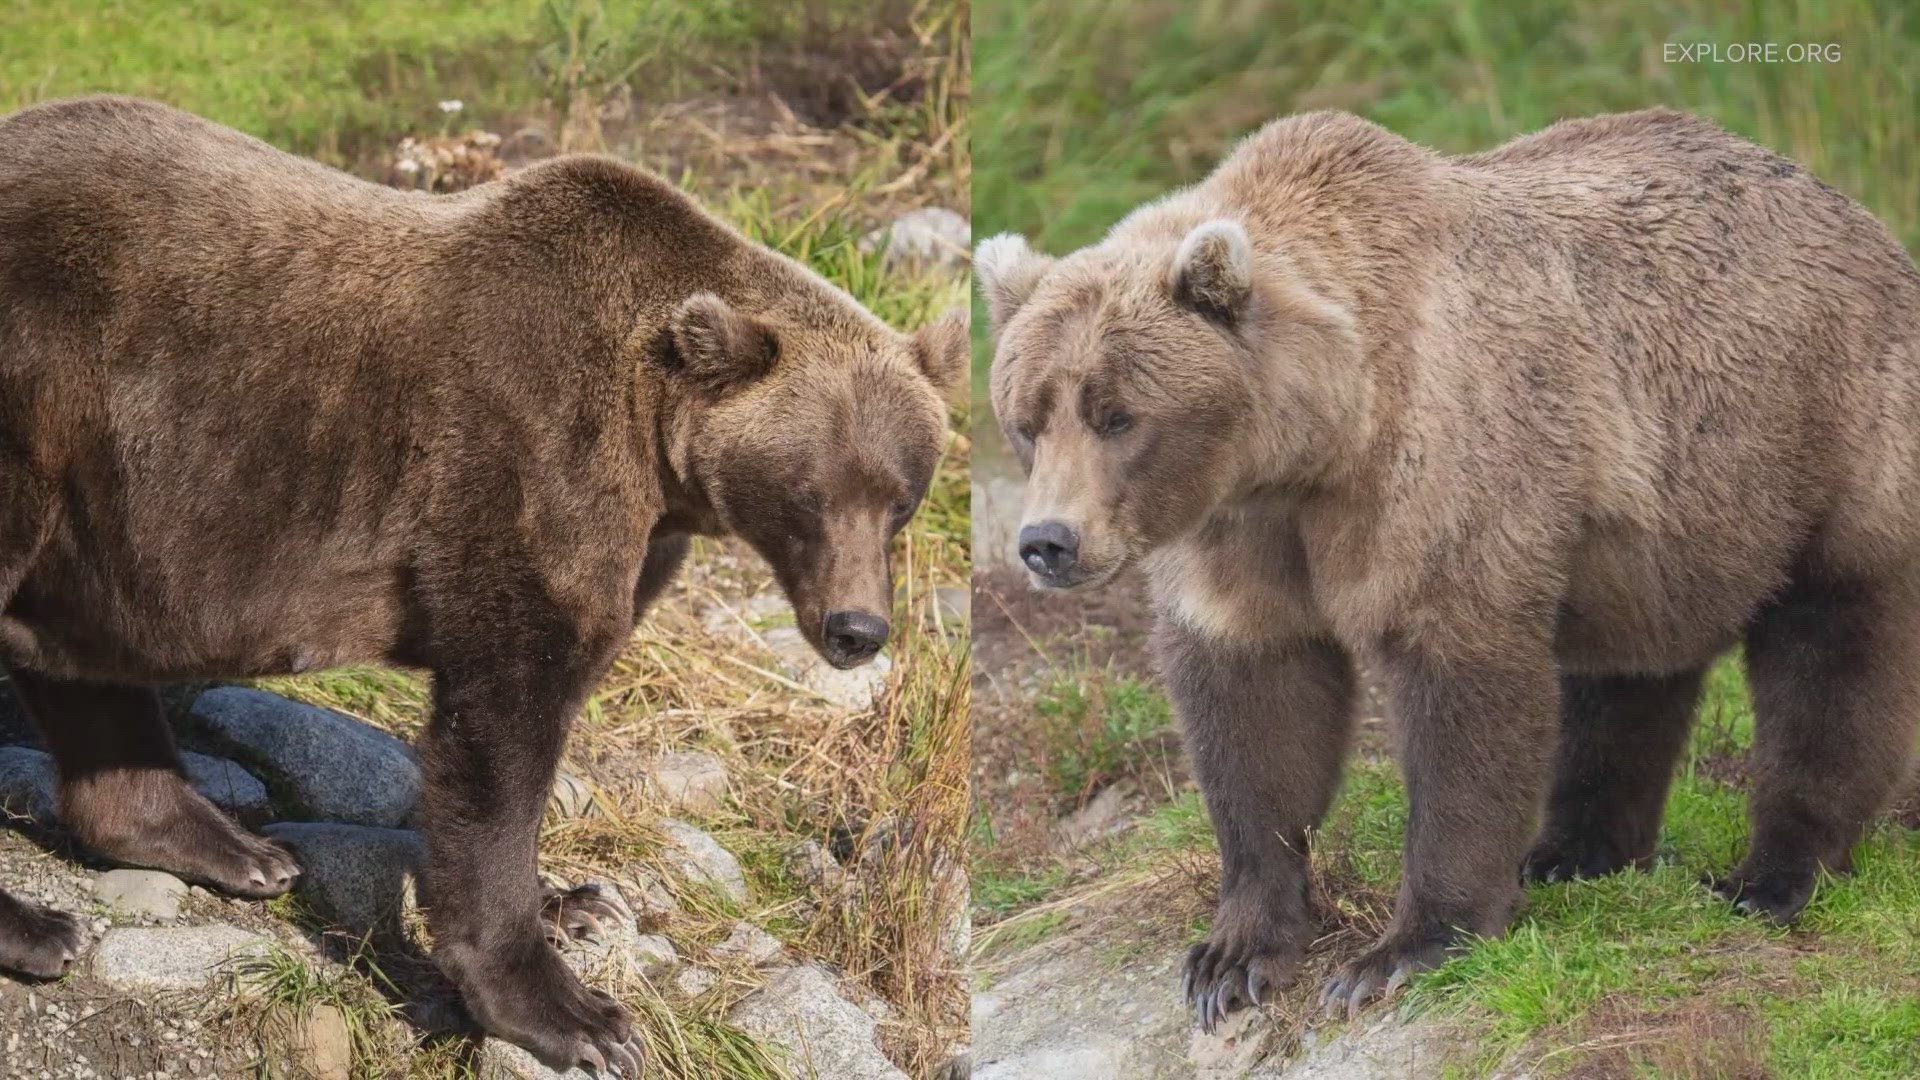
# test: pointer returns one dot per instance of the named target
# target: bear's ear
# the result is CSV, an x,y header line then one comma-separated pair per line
x,y
1007,270
1213,271
720,349
940,348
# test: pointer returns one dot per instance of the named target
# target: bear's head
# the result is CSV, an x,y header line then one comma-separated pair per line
x,y
1150,381
811,429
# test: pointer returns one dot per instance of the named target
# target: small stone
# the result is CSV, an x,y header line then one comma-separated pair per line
x,y
652,902
814,866
137,958
29,784
954,604
689,781
1104,815
334,767
359,878
141,894
698,857
932,236
655,956
571,796
748,944
802,1010
693,981
854,690
318,1044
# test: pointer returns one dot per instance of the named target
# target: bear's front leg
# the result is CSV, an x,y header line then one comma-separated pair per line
x,y
500,722
1476,736
1266,726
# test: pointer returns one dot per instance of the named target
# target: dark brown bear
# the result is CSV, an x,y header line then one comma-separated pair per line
x,y
1542,432
260,417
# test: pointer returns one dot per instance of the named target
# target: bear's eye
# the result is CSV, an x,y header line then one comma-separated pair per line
x,y
902,510
1114,423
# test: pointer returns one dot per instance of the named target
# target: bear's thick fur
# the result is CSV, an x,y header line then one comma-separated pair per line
x,y
1542,432
257,416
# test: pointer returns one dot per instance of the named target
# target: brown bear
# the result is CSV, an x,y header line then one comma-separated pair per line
x,y
258,416
1540,432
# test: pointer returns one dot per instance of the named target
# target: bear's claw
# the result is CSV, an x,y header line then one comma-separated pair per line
x,y
1378,973
578,913
1220,979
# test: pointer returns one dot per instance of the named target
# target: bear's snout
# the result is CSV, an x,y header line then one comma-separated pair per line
x,y
854,637
1050,549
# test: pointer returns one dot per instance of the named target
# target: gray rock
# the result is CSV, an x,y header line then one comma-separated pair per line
x,y
748,944
689,781
226,785
802,1011
359,878
1104,815
954,604
28,784
135,958
814,866
655,956
334,767
1125,1020
698,857
693,981
505,1061
141,894
854,690
572,796
1386,1049
649,897
738,620
317,1043
1244,1040
932,236
997,506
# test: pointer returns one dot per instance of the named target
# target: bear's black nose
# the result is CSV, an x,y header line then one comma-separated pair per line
x,y
1049,549
854,636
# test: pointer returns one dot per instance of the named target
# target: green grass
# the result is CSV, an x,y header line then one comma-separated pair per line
x,y
329,78
1839,986
1591,959
1101,728
341,79
1086,108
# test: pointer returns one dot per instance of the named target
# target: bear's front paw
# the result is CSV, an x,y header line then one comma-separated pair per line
x,y
1254,949
36,941
1221,978
1572,857
528,996
1777,897
1381,970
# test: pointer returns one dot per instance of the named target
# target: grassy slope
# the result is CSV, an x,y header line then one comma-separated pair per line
x,y
1088,108
343,80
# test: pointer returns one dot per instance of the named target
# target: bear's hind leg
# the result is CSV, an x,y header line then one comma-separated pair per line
x,y
1620,738
1835,671
123,792
35,941
1266,726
